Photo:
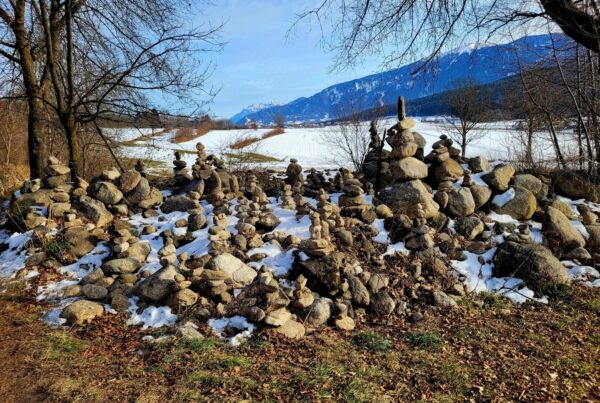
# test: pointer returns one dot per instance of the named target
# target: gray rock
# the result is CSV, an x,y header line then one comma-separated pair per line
x,y
460,203
158,286
177,203
278,317
443,300
319,312
291,329
154,199
360,294
93,210
479,164
408,169
533,263
140,193
531,183
500,177
481,195
106,192
521,207
404,197
382,303
237,270
558,227
94,292
121,266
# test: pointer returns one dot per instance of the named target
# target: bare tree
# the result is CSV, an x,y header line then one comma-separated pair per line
x,y
348,140
279,121
398,29
98,58
468,107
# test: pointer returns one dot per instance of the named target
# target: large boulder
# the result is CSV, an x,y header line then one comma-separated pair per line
x,y
594,232
121,266
479,164
404,197
469,227
27,201
140,193
517,202
575,186
154,198
139,251
460,203
447,170
157,286
128,180
533,263
177,203
531,183
408,168
94,210
106,192
81,241
237,270
319,312
558,227
82,311
481,195
500,177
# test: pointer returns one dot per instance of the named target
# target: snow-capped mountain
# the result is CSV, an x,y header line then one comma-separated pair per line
x,y
250,109
482,64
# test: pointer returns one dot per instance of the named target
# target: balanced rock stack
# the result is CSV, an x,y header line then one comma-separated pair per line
x,y
247,238
294,173
181,174
407,190
443,166
419,238
266,219
319,245
287,201
376,164
56,173
219,234
352,201
196,219
302,206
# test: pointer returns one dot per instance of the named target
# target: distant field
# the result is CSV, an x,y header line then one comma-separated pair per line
x,y
308,145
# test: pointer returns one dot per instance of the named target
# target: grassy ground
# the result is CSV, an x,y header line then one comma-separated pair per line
x,y
494,352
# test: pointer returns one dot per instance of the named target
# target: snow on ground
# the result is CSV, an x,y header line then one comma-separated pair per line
x,y
313,147
238,323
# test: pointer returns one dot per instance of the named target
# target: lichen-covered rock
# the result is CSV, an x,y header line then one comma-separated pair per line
x,y
481,195
403,197
469,227
533,263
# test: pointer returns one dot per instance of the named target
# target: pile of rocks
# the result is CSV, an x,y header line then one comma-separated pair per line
x,y
352,202
287,199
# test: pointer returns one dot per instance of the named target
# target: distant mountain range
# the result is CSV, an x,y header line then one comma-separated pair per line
x,y
240,117
484,65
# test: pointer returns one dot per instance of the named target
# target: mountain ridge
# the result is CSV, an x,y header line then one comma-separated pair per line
x,y
484,65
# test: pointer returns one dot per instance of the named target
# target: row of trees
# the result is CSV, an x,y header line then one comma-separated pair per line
x,y
74,62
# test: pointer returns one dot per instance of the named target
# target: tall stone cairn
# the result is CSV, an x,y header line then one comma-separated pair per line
x,y
407,190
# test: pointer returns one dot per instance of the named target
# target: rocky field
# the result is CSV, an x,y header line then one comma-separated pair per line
x,y
436,276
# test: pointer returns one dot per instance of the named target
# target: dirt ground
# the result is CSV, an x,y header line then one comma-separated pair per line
x,y
493,352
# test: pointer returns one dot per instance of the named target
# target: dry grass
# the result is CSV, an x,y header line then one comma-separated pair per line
x,y
497,352
245,142
11,179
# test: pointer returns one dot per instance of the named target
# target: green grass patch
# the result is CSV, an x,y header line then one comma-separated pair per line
x,y
427,339
373,341
251,157
60,347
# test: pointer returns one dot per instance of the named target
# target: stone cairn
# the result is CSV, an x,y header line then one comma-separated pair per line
x,y
407,190
287,200
219,235
294,173
319,245
419,238
352,202
179,169
376,166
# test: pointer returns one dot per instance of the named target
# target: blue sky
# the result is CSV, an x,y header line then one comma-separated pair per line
x,y
261,63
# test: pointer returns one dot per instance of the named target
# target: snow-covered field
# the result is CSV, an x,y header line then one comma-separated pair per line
x,y
313,147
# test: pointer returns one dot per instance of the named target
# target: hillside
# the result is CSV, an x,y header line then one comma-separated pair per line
x,y
484,65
